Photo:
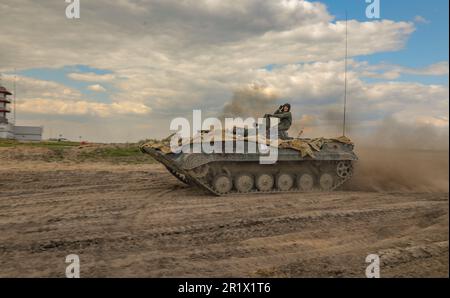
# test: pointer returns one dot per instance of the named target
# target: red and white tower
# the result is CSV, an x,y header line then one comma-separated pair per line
x,y
4,101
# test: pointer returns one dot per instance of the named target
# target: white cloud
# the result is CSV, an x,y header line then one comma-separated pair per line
x,y
29,87
91,77
390,71
437,69
186,35
97,88
420,20
168,57
80,107
318,89
50,98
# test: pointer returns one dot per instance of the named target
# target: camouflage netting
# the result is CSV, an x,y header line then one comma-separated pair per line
x,y
162,145
306,147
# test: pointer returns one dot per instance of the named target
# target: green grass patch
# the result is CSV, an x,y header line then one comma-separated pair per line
x,y
73,151
115,152
43,144
120,154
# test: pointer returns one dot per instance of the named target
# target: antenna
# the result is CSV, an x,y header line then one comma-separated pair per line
x,y
345,73
14,96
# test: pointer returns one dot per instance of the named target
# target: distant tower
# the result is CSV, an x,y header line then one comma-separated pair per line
x,y
10,130
4,101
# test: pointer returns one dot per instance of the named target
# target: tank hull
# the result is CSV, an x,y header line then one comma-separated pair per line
x,y
326,169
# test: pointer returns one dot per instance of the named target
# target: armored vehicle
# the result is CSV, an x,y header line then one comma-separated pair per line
x,y
302,165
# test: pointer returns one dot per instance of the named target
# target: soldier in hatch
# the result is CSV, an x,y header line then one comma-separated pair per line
x,y
285,122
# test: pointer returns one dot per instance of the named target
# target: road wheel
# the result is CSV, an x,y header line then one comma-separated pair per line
x,y
284,182
326,181
244,182
264,182
344,169
305,182
222,183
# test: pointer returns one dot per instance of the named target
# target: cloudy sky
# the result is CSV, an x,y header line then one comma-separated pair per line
x,y
127,67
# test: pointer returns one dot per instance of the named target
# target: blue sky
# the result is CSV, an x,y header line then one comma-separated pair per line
x,y
427,45
60,75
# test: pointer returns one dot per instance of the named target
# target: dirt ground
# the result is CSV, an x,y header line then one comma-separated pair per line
x,y
139,221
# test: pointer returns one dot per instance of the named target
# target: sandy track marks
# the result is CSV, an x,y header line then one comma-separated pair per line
x,y
140,221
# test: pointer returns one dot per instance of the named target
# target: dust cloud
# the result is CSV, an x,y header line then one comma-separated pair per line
x,y
252,101
401,157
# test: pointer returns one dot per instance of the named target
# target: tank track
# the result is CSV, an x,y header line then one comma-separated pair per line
x,y
203,183
179,176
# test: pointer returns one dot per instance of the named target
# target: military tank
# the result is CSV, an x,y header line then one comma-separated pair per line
x,y
302,165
